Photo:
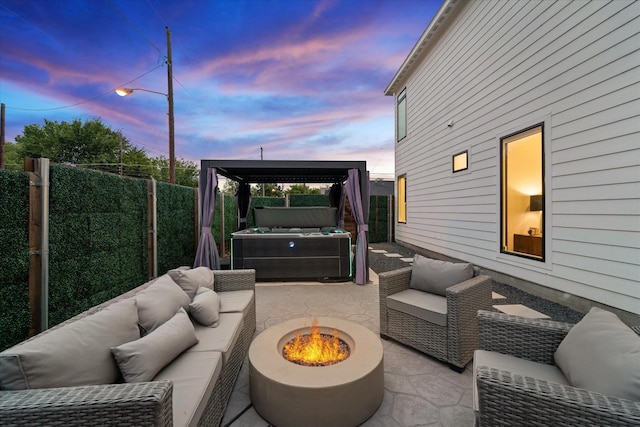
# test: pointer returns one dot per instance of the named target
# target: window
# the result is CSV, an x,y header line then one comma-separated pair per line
x,y
401,115
460,161
522,193
402,199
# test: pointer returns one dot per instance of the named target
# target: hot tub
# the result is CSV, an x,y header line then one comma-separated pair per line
x,y
279,253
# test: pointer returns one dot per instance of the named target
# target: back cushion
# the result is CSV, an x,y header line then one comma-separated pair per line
x,y
159,302
435,276
190,279
78,353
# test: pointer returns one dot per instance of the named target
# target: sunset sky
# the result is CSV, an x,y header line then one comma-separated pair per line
x,y
304,79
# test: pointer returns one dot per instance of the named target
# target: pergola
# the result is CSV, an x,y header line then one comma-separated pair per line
x,y
292,171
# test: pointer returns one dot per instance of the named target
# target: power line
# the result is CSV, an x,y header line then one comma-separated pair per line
x,y
31,24
124,18
86,100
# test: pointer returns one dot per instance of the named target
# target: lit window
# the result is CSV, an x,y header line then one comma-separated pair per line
x,y
401,115
522,193
402,198
461,161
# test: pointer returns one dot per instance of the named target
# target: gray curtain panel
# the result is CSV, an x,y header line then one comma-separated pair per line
x,y
207,253
352,188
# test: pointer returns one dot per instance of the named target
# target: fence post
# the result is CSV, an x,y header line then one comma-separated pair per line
x,y
38,170
152,224
196,220
223,245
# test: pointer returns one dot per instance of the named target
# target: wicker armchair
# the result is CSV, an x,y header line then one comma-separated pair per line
x,y
453,343
506,398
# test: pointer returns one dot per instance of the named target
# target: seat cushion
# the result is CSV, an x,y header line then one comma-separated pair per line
x,y
194,375
222,338
602,354
160,302
236,301
78,353
205,307
142,359
435,276
423,305
515,365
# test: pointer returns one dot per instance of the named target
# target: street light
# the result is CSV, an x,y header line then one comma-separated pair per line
x,y
123,91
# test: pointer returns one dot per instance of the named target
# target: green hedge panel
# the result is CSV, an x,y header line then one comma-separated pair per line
x,y
97,239
176,225
15,317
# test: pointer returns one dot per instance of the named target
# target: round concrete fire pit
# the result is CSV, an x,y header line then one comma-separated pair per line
x,y
344,394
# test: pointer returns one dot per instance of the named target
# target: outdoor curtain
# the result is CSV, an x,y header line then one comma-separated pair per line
x,y
207,253
361,215
336,200
243,201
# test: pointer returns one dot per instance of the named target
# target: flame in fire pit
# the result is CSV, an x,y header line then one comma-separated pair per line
x,y
316,348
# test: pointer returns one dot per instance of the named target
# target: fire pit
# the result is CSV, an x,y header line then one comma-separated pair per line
x,y
342,393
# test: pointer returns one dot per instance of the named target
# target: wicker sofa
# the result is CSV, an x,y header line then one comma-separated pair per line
x,y
518,382
441,325
192,389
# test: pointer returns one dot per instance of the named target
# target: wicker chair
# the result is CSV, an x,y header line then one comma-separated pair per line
x,y
506,398
453,343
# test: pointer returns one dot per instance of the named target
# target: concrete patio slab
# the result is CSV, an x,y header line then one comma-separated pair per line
x,y
520,310
419,390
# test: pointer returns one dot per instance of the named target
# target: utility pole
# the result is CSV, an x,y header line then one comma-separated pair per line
x,y
263,184
172,151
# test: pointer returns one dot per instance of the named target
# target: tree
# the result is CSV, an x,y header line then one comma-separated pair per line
x,y
94,145
302,189
187,173
77,143
230,186
270,190
12,161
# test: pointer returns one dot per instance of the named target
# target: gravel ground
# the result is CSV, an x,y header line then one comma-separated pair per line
x,y
381,263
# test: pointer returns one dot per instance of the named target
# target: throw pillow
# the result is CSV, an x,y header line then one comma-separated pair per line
x,y
190,280
205,307
141,360
159,303
75,354
602,354
435,276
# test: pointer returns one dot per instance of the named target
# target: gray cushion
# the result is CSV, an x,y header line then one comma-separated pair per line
x,y
77,353
602,354
142,359
190,279
205,307
222,338
194,375
515,365
423,305
435,276
236,301
160,302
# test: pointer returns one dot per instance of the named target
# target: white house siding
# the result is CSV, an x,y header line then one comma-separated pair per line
x,y
500,67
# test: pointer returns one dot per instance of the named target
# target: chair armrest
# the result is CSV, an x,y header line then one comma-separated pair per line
x,y
234,280
532,339
392,282
142,404
464,300
389,283
506,398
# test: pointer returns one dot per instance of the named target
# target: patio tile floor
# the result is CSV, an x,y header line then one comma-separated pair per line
x,y
419,390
